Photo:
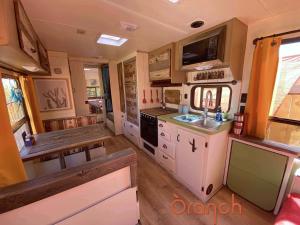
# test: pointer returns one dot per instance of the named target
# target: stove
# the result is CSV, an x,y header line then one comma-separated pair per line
x,y
149,129
155,112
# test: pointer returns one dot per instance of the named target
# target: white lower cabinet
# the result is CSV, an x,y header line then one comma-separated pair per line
x,y
190,150
132,132
196,159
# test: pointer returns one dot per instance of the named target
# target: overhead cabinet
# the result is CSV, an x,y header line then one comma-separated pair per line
x,y
162,67
20,47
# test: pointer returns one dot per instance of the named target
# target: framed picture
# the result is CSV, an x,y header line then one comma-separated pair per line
x,y
53,94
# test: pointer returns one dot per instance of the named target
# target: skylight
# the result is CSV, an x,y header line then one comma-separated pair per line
x,y
106,39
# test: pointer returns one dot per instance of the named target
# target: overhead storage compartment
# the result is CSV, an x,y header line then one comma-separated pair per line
x,y
20,47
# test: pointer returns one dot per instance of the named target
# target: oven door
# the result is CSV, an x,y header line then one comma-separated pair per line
x,y
149,129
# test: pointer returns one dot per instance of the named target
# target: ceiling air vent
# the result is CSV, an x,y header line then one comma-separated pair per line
x,y
80,31
130,27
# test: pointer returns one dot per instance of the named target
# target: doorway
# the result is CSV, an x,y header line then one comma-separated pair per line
x,y
107,92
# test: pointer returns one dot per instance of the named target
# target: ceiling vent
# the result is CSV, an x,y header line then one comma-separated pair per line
x,y
80,31
130,27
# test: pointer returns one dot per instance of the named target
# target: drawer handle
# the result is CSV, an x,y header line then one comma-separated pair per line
x,y
162,134
32,50
178,138
165,146
160,125
165,157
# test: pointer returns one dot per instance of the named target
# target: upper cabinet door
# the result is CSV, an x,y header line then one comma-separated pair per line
x,y
189,159
27,36
160,65
43,55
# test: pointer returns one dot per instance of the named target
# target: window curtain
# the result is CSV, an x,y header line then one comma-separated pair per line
x,y
11,166
33,111
262,80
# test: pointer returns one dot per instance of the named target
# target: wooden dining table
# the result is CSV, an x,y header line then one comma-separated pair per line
x,y
58,142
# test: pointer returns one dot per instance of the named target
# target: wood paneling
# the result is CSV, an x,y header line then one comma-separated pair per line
x,y
172,97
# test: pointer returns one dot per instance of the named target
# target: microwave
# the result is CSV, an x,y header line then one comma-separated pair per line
x,y
205,51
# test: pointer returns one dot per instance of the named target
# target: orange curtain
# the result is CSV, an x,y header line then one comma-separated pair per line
x,y
263,76
31,104
11,166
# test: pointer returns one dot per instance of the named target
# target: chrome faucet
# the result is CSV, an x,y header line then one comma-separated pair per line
x,y
208,102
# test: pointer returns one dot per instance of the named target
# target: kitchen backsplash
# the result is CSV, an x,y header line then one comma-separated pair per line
x,y
185,97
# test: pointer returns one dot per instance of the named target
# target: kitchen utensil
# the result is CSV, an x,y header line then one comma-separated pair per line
x,y
157,99
151,100
144,99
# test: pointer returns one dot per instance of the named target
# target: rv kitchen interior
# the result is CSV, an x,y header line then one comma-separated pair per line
x,y
162,112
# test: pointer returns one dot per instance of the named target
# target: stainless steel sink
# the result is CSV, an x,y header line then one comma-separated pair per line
x,y
188,118
208,123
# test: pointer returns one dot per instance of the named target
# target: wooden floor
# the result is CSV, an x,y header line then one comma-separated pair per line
x,y
156,190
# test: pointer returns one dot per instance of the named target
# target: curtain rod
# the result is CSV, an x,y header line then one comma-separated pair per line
x,y
276,35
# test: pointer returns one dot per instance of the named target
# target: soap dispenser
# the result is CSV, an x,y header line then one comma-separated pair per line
x,y
219,114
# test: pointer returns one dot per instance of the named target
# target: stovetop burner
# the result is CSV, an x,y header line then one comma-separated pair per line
x,y
158,111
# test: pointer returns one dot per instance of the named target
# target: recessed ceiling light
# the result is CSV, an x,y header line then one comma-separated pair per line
x,y
197,24
106,39
174,1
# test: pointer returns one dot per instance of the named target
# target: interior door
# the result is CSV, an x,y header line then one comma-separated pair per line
x,y
189,159
106,88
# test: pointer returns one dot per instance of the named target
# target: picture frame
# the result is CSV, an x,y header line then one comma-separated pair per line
x,y
53,94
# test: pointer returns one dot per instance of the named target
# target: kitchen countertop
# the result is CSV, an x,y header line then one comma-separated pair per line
x,y
169,118
284,148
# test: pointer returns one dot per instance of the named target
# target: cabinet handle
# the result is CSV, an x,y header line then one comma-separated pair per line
x,y
165,146
32,50
162,134
165,157
178,137
160,125
193,145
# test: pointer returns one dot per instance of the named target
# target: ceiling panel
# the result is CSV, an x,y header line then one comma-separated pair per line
x,y
159,21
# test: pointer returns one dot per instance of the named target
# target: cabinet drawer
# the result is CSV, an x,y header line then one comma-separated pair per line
x,y
164,126
164,135
132,137
166,147
132,128
166,161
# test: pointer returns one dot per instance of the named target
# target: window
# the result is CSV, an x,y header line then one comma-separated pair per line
x,y
92,82
211,96
16,108
14,102
284,120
